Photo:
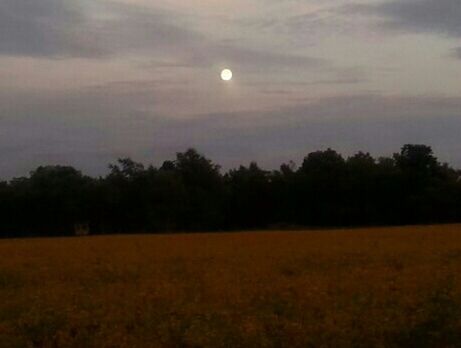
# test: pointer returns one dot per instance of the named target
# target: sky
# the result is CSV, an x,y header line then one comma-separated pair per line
x,y
85,82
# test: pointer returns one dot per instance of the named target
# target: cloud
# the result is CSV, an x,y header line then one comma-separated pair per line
x,y
256,60
45,28
456,52
113,123
376,123
90,29
100,29
435,16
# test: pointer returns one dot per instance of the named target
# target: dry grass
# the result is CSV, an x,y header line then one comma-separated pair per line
x,y
380,287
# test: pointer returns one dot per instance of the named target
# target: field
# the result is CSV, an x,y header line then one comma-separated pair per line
x,y
378,287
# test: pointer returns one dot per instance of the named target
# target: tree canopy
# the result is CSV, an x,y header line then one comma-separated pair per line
x,y
190,193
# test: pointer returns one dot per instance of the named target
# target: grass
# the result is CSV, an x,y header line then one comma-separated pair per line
x,y
378,287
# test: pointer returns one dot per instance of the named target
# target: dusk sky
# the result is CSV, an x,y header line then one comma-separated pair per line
x,y
85,82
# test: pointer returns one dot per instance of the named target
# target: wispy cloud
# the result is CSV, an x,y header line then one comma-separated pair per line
x,y
100,29
91,137
456,52
92,29
433,16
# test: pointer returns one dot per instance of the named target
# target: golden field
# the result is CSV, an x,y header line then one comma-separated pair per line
x,y
377,287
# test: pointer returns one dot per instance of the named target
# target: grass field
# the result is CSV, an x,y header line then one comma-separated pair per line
x,y
378,287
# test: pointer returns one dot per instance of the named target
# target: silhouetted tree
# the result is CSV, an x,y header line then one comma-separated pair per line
x,y
203,208
250,197
50,202
189,193
322,188
361,189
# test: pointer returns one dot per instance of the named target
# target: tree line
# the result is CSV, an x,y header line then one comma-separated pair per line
x,y
190,193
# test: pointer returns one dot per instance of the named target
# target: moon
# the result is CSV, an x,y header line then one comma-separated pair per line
x,y
226,75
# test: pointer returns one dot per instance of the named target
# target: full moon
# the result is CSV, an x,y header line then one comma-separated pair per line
x,y
226,75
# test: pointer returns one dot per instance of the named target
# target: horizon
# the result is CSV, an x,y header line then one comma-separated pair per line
x,y
222,169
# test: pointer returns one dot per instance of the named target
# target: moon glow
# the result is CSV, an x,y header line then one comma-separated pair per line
x,y
226,75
